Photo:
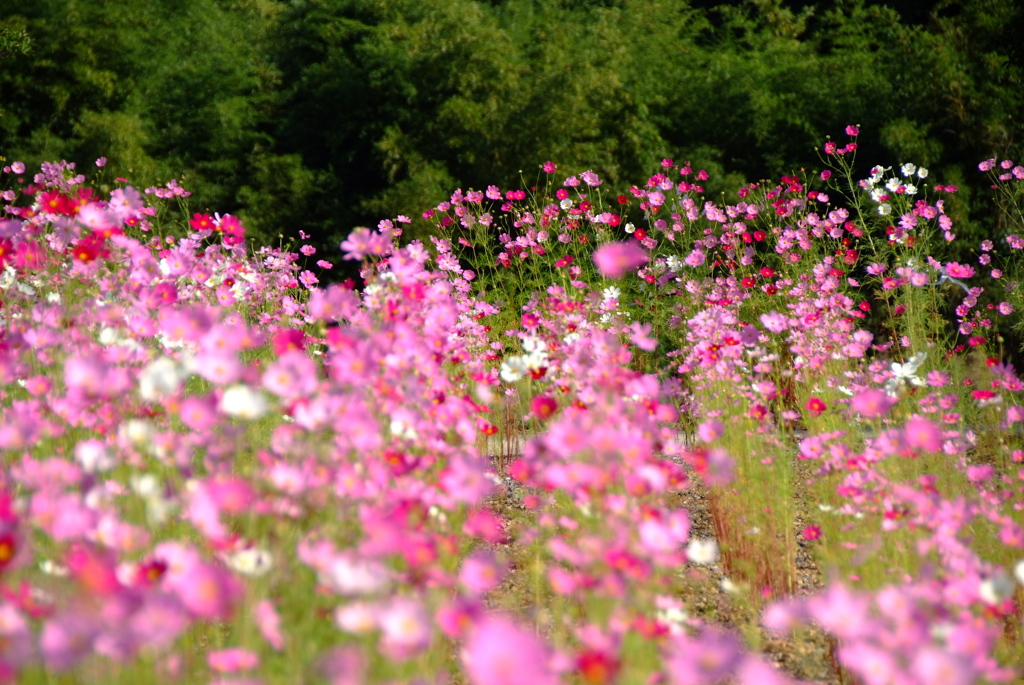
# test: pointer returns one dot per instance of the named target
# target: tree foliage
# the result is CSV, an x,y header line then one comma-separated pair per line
x,y
324,114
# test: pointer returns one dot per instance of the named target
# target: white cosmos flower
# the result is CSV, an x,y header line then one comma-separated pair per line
x,y
534,345
161,377
253,561
702,551
151,490
138,432
905,373
612,293
908,169
885,209
94,456
513,369
996,590
349,576
922,172
243,402
1018,571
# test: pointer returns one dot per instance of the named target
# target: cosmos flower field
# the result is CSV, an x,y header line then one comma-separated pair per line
x,y
471,467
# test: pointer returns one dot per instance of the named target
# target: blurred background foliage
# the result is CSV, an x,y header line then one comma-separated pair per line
x,y
322,115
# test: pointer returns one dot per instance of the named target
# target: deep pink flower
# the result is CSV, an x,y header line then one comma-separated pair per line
x,y
543,407
816,406
288,339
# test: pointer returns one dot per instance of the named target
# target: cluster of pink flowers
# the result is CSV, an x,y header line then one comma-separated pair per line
x,y
204,446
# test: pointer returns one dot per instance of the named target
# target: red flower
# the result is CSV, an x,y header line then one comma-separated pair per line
x,y
816,406
596,667
811,533
543,407
565,261
56,203
202,222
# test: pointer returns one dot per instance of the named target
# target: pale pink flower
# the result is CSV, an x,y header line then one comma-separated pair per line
x,y
269,623
406,628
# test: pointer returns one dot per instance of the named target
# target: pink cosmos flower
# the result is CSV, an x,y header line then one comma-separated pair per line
x,y
640,335
710,430
291,376
68,638
955,270
406,628
269,623
481,572
209,592
499,652
614,260
232,660
923,434
871,403
708,658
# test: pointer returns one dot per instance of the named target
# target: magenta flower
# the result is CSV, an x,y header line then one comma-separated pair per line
x,y
614,260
